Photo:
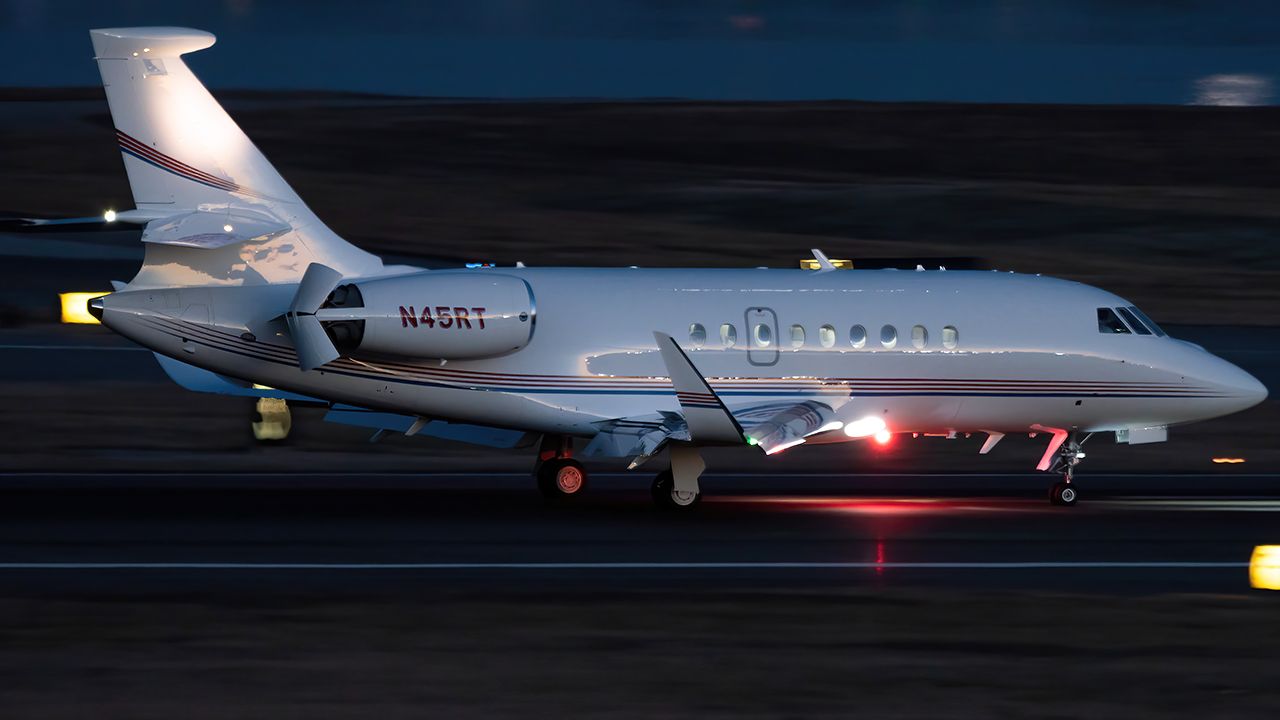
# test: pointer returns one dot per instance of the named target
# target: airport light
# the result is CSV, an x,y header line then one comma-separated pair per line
x,y
883,436
75,307
1264,567
1228,460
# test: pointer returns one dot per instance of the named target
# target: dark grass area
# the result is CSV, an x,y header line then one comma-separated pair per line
x,y
722,654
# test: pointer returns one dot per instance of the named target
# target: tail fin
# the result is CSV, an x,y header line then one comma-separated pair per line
x,y
184,154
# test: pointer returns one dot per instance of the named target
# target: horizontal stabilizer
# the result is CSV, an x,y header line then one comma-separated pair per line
x,y
150,42
208,230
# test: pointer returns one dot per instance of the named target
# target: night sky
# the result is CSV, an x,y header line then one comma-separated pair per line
x,y
1133,51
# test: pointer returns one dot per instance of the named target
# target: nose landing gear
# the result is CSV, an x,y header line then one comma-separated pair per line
x,y
1068,457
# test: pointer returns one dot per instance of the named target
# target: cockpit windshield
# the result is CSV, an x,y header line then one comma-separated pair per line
x,y
1125,321
1133,321
1109,323
1147,321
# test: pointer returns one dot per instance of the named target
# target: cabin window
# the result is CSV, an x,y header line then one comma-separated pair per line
x,y
728,335
762,334
697,335
1147,321
888,336
1109,323
797,336
919,337
858,336
826,336
950,337
1133,321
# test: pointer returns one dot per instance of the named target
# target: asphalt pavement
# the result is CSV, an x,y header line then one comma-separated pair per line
x,y
403,534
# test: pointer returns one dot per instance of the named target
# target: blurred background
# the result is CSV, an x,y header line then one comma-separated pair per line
x,y
1051,51
1134,146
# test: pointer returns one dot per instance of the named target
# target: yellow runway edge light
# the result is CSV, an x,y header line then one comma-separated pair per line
x,y
1264,567
75,307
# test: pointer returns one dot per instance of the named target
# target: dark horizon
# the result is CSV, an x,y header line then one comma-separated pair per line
x,y
1087,52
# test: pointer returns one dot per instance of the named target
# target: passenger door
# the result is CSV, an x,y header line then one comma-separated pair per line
x,y
762,336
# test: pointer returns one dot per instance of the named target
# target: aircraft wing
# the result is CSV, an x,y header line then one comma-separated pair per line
x,y
773,427
704,419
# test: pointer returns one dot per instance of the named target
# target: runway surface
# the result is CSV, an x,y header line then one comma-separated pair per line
x,y
398,534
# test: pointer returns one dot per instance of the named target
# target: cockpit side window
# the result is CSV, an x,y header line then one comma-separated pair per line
x,y
1148,321
1109,323
1133,321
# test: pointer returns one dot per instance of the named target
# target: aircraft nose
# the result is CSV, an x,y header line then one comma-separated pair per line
x,y
1245,388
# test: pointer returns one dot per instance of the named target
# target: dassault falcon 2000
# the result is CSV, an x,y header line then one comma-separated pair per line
x,y
244,290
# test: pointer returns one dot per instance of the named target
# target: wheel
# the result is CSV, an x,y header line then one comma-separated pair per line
x,y
1063,494
562,478
665,494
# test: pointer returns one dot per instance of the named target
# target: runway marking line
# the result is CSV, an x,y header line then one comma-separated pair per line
x,y
73,347
1056,565
472,473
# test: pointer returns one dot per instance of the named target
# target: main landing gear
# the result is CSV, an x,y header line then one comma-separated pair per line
x,y
678,488
667,497
1065,462
559,476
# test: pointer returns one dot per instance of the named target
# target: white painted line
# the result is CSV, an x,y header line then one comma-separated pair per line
x,y
1067,565
74,347
472,473
1226,505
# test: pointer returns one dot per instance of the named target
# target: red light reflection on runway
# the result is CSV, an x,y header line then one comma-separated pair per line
x,y
885,507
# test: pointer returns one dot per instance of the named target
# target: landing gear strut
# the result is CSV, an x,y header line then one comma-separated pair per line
x,y
1069,455
559,475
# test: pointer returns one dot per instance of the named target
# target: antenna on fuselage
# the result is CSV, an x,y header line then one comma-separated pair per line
x,y
824,265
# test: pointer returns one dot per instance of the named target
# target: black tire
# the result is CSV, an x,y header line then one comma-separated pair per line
x,y
1063,494
665,495
562,479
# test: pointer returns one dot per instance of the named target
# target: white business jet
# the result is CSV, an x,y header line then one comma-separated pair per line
x,y
244,290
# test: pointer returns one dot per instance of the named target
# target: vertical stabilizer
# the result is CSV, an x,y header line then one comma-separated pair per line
x,y
183,153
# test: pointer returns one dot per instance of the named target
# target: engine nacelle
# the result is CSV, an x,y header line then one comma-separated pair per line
x,y
453,316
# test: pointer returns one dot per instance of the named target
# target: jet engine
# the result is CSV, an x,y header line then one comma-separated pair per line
x,y
452,316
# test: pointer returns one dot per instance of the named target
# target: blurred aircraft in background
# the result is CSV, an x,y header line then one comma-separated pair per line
x,y
244,291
